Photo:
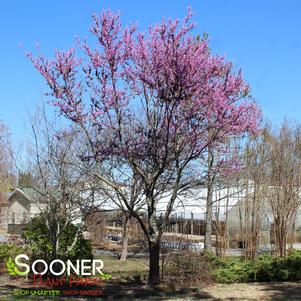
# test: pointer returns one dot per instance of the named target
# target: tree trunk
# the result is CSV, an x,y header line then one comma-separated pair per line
x,y
208,227
280,236
154,262
125,237
55,240
283,237
55,245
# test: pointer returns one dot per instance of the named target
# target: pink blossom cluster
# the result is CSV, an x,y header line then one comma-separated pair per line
x,y
154,94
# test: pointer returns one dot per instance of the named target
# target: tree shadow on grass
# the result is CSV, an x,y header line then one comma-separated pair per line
x,y
283,290
146,292
120,292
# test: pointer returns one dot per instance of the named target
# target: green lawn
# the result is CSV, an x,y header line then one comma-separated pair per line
x,y
125,269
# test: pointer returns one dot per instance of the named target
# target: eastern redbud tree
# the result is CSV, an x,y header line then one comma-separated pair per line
x,y
153,101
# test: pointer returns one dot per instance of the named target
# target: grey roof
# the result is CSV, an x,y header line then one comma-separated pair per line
x,y
27,192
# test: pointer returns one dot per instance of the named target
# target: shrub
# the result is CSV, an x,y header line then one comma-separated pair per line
x,y
263,268
233,269
187,268
10,250
269,268
293,262
38,237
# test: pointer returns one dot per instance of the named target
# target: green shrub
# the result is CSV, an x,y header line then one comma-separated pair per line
x,y
263,268
234,269
11,250
293,262
189,268
38,236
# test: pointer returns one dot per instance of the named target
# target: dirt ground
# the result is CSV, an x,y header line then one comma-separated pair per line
x,y
235,292
256,291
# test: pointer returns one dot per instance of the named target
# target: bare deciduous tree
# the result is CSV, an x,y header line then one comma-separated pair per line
x,y
6,170
58,186
285,163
